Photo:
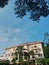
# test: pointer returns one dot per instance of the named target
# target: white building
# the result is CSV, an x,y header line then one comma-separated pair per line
x,y
37,48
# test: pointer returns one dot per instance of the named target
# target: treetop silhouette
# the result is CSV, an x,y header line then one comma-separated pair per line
x,y
3,3
36,8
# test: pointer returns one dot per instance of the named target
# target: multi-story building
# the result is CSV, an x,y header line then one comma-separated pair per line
x,y
37,48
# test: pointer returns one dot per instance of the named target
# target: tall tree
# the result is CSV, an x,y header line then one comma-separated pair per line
x,y
20,51
36,8
3,3
46,38
46,51
31,54
20,54
46,45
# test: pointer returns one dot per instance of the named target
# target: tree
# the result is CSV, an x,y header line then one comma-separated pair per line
x,y
3,3
29,57
14,61
20,48
31,54
46,37
18,51
46,45
36,8
4,62
45,61
46,51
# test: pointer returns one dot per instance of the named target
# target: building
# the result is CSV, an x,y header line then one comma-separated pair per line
x,y
37,48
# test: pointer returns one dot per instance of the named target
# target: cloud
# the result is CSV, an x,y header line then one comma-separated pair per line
x,y
13,34
11,31
17,30
3,39
6,34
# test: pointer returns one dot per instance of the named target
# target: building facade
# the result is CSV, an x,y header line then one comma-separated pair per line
x,y
36,47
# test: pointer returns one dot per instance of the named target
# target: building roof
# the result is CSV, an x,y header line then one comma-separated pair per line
x,y
28,43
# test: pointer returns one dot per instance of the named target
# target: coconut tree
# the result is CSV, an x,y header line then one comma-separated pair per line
x,y
27,55
13,61
20,48
3,3
18,55
31,54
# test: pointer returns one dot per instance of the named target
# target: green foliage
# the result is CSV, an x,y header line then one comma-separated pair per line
x,y
13,60
4,63
19,48
36,8
27,55
46,38
46,45
45,61
31,52
46,51
3,3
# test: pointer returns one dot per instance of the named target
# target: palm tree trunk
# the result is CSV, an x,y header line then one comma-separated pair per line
x,y
18,56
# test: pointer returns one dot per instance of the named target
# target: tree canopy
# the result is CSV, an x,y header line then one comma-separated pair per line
x,y
46,38
3,3
36,8
46,45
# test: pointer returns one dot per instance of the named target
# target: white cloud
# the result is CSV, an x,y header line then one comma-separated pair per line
x,y
3,39
14,40
13,30
17,30
6,33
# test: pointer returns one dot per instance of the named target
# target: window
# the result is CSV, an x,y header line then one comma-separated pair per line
x,y
36,51
12,54
25,55
16,58
35,46
40,55
7,55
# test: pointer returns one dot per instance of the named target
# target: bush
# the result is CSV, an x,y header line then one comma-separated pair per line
x,y
45,61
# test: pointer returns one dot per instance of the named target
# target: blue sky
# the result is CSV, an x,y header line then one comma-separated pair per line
x,y
15,30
